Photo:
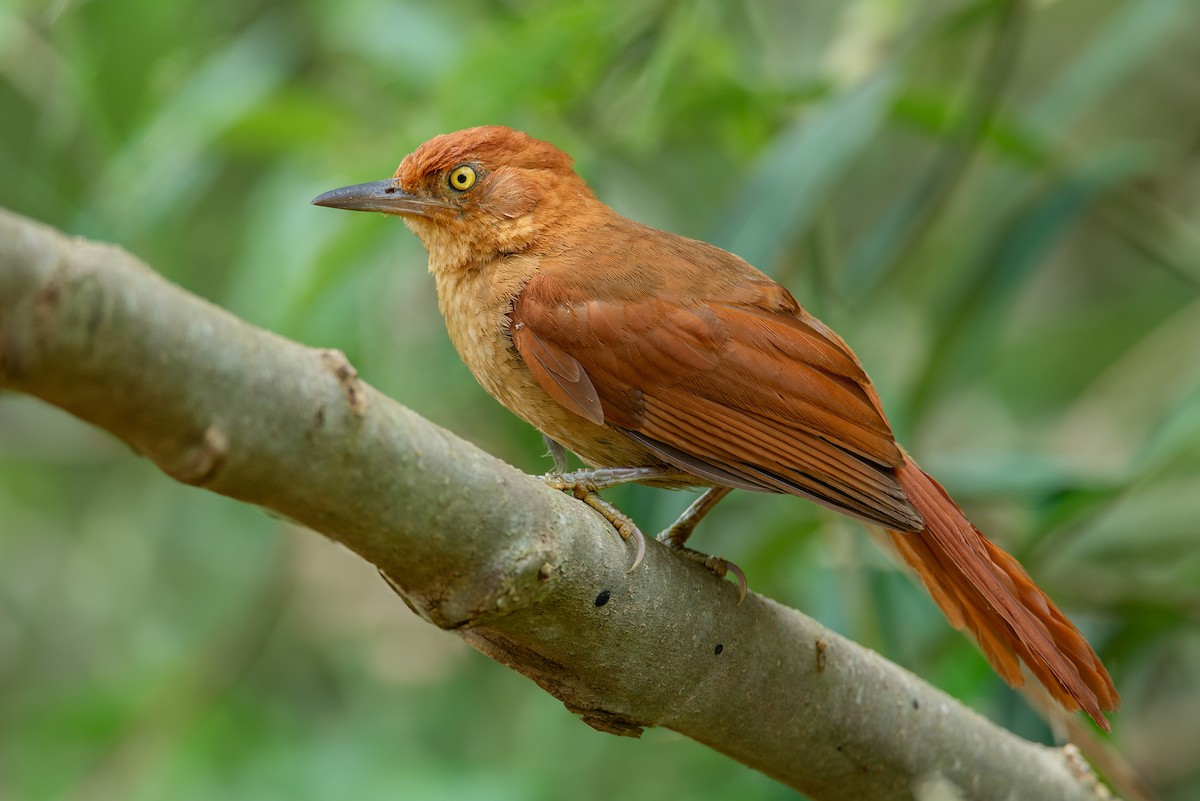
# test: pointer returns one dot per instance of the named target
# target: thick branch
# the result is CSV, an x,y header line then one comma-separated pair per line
x,y
528,576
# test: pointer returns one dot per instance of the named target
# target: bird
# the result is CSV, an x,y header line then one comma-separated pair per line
x,y
667,361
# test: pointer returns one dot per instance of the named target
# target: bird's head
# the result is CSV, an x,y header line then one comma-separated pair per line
x,y
473,194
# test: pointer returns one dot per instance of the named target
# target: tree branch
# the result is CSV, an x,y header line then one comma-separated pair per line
x,y
526,575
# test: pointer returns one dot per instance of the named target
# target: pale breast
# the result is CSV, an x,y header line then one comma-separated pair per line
x,y
476,305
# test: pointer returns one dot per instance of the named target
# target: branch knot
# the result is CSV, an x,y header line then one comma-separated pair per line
x,y
348,378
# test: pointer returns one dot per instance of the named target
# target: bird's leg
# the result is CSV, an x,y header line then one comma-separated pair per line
x,y
677,534
558,453
595,479
584,484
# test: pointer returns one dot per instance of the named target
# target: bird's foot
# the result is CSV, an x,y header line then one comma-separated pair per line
x,y
679,531
718,566
584,484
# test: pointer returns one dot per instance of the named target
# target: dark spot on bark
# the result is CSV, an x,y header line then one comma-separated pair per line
x,y
51,294
916,704
719,649
47,302
319,422
821,645
603,597
95,317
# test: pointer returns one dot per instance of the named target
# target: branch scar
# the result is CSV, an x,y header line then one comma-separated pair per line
x,y
347,377
198,463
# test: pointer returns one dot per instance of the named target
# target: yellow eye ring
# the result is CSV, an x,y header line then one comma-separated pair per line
x,y
462,177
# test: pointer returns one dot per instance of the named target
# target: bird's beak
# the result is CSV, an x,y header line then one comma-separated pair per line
x,y
384,196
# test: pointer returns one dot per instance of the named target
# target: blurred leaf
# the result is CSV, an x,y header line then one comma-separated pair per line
x,y
1004,264
1133,35
1143,547
161,167
914,211
784,190
1176,437
286,235
412,41
1135,417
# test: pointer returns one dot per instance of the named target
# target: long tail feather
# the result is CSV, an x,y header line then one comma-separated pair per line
x,y
985,591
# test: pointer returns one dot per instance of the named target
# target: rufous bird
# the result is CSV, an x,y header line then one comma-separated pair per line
x,y
671,362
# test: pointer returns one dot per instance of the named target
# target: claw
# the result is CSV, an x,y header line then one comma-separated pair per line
x,y
741,577
625,527
640,540
583,485
716,565
721,566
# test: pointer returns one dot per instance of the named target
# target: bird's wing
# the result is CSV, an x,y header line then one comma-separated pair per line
x,y
741,387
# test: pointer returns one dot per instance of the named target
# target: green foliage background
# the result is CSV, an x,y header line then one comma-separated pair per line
x,y
996,203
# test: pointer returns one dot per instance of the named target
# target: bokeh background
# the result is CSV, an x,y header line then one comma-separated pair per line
x,y
997,203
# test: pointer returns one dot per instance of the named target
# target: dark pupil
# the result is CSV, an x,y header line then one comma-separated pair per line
x,y
461,177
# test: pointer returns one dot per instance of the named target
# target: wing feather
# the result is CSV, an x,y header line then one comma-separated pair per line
x,y
560,374
745,391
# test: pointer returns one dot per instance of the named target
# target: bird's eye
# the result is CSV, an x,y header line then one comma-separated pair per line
x,y
463,177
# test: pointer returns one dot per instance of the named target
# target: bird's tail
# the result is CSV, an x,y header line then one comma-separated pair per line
x,y
985,591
